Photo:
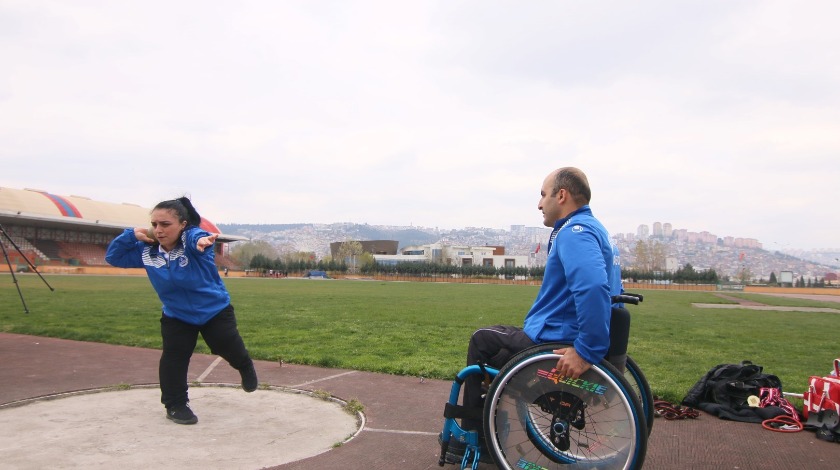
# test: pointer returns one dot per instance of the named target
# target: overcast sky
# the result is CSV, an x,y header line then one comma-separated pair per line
x,y
721,116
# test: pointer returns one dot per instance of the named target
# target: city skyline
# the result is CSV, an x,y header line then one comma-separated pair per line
x,y
703,252
688,235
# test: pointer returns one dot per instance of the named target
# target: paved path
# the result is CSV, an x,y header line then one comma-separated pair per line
x,y
752,305
402,416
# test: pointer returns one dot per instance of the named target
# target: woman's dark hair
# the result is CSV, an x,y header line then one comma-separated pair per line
x,y
183,208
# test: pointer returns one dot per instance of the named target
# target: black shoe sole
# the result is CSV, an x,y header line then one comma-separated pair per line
x,y
183,421
192,420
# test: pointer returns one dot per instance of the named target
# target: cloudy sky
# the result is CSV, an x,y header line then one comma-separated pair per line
x,y
711,115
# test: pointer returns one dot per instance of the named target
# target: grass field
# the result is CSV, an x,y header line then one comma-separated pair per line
x,y
422,329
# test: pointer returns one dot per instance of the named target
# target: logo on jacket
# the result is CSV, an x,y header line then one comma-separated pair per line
x,y
183,262
577,229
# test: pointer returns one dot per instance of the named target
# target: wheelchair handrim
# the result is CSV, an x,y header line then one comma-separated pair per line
x,y
564,457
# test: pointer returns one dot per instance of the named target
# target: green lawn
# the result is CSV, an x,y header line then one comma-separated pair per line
x,y
423,328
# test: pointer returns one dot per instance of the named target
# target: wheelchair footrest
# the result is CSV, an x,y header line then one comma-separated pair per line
x,y
465,451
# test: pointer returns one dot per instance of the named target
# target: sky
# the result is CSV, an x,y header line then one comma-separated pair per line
x,y
719,116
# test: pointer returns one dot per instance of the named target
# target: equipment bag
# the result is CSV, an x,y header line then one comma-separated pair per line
x,y
726,389
821,407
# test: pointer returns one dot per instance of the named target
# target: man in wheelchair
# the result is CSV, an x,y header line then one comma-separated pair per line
x,y
573,304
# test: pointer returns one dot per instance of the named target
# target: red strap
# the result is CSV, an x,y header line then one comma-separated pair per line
x,y
782,423
670,412
788,422
773,397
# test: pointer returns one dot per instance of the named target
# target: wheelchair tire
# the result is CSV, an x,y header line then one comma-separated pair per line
x,y
638,382
535,419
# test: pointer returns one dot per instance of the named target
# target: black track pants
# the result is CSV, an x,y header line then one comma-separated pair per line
x,y
494,346
179,340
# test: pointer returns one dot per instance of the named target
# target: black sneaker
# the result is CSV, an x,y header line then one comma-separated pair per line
x,y
249,378
181,415
455,452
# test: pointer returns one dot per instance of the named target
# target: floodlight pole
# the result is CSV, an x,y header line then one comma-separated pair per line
x,y
12,271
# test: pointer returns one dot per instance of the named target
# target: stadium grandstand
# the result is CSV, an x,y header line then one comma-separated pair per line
x,y
74,231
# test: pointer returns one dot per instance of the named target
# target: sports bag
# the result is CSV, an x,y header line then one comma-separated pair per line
x,y
726,389
821,404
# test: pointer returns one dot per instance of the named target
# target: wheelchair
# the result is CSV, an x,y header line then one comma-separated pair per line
x,y
535,419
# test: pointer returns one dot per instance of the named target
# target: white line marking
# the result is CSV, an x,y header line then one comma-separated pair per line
x,y
396,431
323,379
208,370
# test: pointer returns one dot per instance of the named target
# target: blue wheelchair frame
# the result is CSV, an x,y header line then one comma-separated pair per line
x,y
472,448
472,452
451,429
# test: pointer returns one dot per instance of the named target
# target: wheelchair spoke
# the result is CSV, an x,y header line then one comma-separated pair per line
x,y
535,419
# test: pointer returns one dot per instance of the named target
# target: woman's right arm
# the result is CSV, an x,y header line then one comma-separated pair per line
x,y
123,252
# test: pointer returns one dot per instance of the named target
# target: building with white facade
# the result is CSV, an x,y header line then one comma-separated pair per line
x,y
456,255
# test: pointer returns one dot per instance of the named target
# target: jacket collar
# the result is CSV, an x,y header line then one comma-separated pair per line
x,y
565,221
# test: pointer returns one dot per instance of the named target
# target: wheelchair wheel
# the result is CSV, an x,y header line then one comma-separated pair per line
x,y
536,419
638,382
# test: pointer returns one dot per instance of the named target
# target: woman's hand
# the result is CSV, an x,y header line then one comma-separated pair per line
x,y
145,235
204,242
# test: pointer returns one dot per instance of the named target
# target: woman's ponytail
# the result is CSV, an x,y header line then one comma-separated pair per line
x,y
183,208
192,215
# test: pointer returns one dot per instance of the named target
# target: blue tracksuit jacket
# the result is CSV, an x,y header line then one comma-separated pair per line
x,y
573,304
188,284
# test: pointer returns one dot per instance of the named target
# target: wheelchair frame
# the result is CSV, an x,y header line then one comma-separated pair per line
x,y
535,419
555,419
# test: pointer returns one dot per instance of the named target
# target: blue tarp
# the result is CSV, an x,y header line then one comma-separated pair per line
x,y
314,273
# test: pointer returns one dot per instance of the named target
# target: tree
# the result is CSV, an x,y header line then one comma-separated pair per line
x,y
243,253
348,251
773,281
366,260
685,274
642,252
299,261
650,255
260,262
298,257
658,254
744,276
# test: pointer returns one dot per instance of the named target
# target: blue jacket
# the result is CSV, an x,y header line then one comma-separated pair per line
x,y
188,284
573,304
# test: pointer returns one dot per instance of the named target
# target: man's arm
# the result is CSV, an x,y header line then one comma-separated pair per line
x,y
586,273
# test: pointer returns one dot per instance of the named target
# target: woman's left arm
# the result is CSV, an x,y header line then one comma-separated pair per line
x,y
205,242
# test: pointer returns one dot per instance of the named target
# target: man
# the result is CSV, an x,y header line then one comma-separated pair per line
x,y
573,304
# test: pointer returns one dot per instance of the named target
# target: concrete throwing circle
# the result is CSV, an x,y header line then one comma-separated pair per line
x,y
127,428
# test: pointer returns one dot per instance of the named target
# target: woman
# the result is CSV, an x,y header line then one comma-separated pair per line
x,y
179,260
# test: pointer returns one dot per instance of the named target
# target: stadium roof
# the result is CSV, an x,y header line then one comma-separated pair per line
x,y
42,209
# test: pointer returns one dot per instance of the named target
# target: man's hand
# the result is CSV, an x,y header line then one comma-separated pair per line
x,y
571,365
204,242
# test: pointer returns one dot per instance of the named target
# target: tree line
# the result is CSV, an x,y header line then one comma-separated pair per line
x,y
801,282
260,256
684,275
262,264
